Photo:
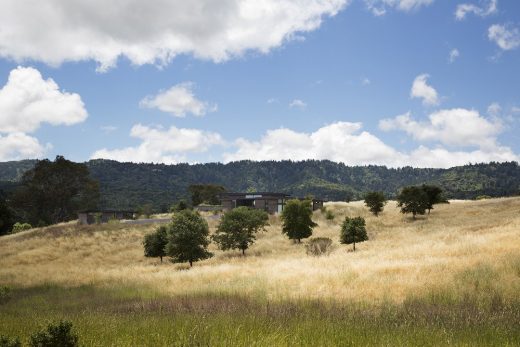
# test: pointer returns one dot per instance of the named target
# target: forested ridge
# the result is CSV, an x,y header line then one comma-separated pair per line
x,y
129,185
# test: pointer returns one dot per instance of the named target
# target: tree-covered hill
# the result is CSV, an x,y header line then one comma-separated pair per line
x,y
129,185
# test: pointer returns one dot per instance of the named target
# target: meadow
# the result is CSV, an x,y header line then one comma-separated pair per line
x,y
450,278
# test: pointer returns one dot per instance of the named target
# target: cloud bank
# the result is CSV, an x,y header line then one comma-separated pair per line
x,y
153,32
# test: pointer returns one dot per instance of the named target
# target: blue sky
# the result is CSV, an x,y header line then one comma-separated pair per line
x,y
426,83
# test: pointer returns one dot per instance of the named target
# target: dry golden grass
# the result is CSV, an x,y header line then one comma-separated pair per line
x,y
462,247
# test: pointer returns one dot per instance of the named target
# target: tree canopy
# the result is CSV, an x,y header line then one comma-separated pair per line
x,y
205,193
413,200
238,228
375,201
353,230
188,238
434,194
54,191
155,243
6,217
297,220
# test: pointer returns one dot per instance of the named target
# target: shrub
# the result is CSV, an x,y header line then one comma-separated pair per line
x,y
329,215
60,334
482,197
17,227
5,294
319,246
7,342
353,230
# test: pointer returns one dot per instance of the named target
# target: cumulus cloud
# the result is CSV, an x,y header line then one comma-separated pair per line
x,y
454,54
27,101
481,11
297,103
453,127
421,89
379,7
159,145
341,141
178,101
17,146
153,32
346,142
505,36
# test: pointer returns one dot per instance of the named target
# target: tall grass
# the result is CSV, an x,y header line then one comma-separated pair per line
x,y
122,316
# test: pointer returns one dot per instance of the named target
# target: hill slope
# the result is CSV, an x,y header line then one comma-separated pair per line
x,y
128,185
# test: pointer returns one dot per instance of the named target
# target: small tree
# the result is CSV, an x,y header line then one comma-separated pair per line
x,y
60,334
238,228
297,219
6,217
375,201
353,230
188,238
155,243
180,206
413,200
434,194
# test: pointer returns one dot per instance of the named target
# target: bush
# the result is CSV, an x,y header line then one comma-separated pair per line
x,y
17,227
329,215
482,197
5,294
60,334
7,342
297,219
319,246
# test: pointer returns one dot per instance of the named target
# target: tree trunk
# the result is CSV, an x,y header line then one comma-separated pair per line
x,y
413,213
191,263
161,259
243,251
354,246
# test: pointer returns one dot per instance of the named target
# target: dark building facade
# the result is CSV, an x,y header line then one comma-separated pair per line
x,y
267,201
104,216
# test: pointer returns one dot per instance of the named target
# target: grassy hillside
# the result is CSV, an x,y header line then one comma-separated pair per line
x,y
128,185
451,278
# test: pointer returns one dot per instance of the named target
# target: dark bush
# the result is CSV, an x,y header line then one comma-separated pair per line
x,y
55,335
7,342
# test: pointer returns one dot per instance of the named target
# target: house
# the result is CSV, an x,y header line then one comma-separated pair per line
x,y
104,216
267,201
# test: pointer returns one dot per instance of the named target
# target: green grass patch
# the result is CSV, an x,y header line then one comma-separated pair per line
x,y
126,316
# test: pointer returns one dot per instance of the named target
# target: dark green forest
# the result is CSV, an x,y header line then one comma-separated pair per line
x,y
129,185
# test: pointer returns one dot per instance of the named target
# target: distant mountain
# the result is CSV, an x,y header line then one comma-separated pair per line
x,y
129,185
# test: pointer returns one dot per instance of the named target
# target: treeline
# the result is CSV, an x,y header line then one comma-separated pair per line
x,y
129,185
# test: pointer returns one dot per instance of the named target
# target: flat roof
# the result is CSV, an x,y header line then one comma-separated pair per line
x,y
253,195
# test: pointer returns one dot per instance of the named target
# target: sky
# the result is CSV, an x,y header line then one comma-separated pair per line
x,y
425,83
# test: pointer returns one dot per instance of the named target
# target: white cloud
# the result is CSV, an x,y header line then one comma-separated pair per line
x,y
341,141
345,142
505,36
453,127
421,89
153,32
297,103
17,146
272,100
178,101
162,146
494,110
27,101
108,128
463,9
379,7
454,54
366,82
